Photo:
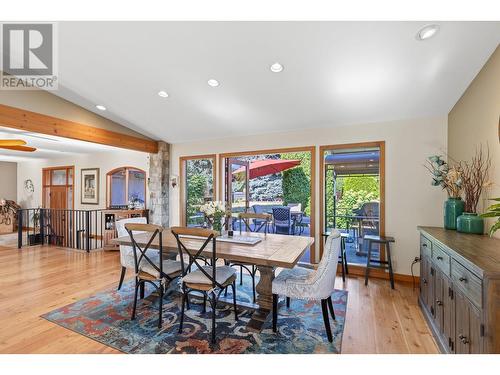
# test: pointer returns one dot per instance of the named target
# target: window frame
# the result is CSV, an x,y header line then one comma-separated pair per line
x,y
126,169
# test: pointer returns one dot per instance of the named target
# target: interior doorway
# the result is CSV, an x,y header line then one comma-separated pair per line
x,y
57,187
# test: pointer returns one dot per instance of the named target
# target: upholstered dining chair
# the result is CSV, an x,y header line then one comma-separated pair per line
x,y
211,280
126,252
282,220
246,225
149,265
302,283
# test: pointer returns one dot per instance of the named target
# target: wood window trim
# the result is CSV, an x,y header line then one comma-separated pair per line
x,y
312,150
126,169
67,185
182,182
322,150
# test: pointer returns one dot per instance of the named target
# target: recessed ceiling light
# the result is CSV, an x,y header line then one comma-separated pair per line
x,y
213,82
427,32
100,107
276,67
163,94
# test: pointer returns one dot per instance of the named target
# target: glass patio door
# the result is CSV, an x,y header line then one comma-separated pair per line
x,y
237,185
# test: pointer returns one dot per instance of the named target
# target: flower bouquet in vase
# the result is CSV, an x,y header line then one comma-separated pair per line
x,y
214,214
450,179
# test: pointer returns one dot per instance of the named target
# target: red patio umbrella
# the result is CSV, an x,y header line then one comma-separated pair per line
x,y
264,167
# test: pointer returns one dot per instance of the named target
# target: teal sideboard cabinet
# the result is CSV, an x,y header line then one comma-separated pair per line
x,y
460,290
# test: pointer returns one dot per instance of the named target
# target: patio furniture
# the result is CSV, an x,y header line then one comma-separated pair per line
x,y
126,252
303,283
286,252
383,264
260,209
282,221
211,280
148,268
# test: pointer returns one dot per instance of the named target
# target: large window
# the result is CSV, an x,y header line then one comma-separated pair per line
x,y
126,187
197,187
352,196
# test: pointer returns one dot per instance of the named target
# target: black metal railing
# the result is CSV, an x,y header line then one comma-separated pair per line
x,y
76,229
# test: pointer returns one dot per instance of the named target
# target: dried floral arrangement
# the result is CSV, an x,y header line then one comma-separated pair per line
x,y
474,175
444,175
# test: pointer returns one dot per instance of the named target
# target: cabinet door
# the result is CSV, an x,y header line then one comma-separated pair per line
x,y
468,326
448,314
438,300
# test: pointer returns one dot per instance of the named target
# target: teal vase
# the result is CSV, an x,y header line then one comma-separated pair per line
x,y
470,223
453,208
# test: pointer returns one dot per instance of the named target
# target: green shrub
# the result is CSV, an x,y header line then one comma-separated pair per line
x,y
295,187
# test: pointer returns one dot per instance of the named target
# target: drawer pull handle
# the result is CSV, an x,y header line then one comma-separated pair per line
x,y
463,339
439,257
424,245
463,279
425,282
439,303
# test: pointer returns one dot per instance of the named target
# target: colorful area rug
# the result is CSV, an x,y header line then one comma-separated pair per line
x,y
105,318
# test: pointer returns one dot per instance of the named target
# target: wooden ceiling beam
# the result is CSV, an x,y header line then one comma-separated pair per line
x,y
22,119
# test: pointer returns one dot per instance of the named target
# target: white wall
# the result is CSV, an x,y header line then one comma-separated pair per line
x,y
410,199
8,185
106,161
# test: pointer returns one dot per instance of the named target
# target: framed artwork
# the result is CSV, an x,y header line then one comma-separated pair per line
x,y
90,186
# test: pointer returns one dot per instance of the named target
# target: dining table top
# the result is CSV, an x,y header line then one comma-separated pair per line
x,y
274,250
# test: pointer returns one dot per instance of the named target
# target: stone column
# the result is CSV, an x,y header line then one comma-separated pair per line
x,y
158,185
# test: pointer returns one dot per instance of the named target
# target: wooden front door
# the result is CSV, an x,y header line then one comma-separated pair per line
x,y
58,199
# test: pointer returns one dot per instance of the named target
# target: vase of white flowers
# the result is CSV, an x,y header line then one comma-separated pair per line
x,y
214,213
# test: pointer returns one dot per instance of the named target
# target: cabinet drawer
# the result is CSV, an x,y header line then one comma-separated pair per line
x,y
441,259
425,246
469,284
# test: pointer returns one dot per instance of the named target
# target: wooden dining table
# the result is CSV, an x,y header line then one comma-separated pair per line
x,y
273,251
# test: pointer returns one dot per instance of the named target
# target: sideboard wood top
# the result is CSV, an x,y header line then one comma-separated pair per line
x,y
480,251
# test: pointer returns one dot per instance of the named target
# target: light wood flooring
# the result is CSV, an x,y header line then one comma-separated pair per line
x,y
36,280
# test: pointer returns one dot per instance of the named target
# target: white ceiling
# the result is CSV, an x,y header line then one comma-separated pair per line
x,y
336,73
47,146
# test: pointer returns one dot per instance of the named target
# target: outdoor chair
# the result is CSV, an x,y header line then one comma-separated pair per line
x,y
260,209
308,284
149,266
282,221
211,280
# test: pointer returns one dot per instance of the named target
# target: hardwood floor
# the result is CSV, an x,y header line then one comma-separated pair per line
x,y
36,280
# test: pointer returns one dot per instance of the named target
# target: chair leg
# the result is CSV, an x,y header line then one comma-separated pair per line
x,y
389,262
204,302
135,299
122,276
160,307
275,312
330,306
214,304
254,272
241,275
326,319
345,260
288,302
368,259
233,286
182,309
142,289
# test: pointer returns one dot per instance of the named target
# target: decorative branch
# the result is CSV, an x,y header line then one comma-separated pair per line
x,y
475,178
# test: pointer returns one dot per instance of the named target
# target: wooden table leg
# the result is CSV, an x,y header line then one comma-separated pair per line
x,y
264,298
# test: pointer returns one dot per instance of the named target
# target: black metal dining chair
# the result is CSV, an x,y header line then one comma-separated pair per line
x,y
149,265
211,280
282,221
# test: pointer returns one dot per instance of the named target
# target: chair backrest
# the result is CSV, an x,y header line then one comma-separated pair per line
x,y
245,218
258,208
295,207
282,216
140,253
184,234
324,277
126,251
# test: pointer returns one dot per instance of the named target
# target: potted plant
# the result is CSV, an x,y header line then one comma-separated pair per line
x,y
214,213
474,179
449,179
493,211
